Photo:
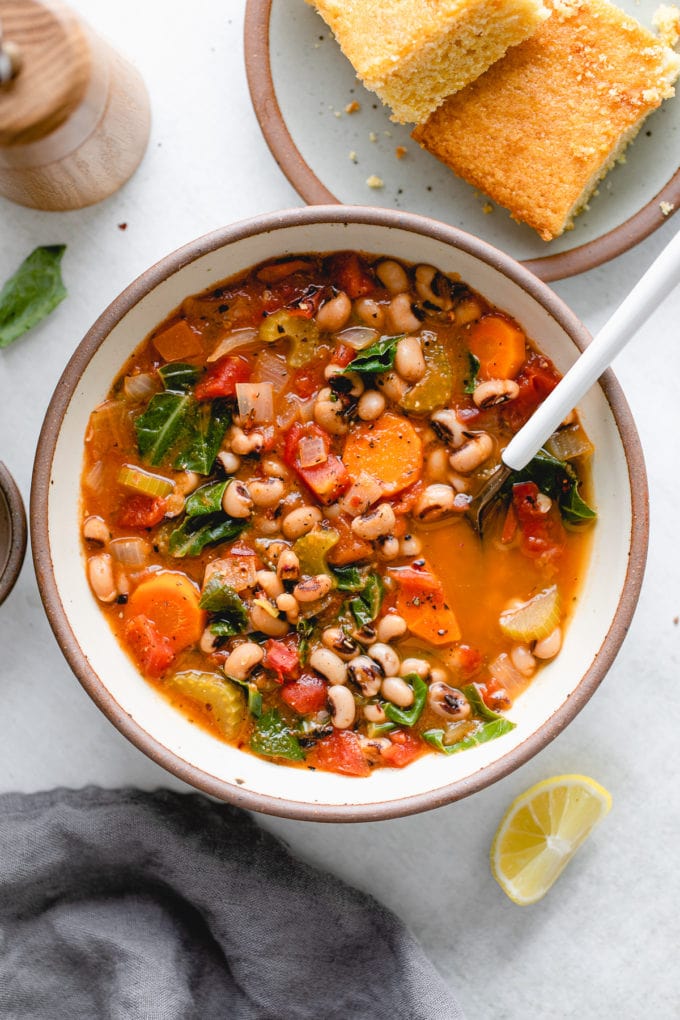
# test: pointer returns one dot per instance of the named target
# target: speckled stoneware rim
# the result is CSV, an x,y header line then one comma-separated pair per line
x,y
76,656
293,165
13,532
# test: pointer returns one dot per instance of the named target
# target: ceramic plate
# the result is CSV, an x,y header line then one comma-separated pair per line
x,y
301,84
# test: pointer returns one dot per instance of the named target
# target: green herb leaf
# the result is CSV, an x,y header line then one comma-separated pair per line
x,y
254,696
349,578
195,533
201,435
379,357
220,597
206,500
158,427
574,508
474,696
224,628
409,716
487,731
557,479
471,381
31,293
274,739
366,607
304,629
178,376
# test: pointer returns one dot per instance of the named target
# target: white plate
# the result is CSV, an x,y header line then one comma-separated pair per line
x,y
301,84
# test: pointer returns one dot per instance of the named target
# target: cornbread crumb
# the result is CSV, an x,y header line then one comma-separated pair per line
x,y
414,53
353,156
487,208
375,182
538,142
666,208
666,23
353,107
400,151
372,137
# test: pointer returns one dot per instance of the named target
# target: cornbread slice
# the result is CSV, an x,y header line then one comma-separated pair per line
x,y
545,124
414,53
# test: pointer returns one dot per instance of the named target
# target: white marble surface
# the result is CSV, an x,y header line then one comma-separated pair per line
x,y
604,942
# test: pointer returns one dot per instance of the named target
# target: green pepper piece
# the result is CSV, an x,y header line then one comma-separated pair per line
x,y
312,549
435,388
210,690
409,716
302,334
273,739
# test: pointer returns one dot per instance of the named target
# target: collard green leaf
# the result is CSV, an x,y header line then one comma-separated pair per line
x,y
480,707
274,739
178,376
409,716
349,578
557,479
471,381
367,605
206,500
195,533
489,730
201,435
159,425
32,292
379,357
231,613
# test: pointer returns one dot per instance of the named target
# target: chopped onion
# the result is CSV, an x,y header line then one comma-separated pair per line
x,y
507,675
312,451
271,367
95,476
237,338
255,402
358,337
365,491
130,552
139,387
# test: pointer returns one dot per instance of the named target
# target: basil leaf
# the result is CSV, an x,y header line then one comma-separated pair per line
x,y
157,428
471,381
379,357
273,738
349,578
31,293
193,534
409,716
201,436
487,731
366,607
178,376
206,500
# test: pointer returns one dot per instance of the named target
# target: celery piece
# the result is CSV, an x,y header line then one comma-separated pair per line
x,y
223,700
409,716
312,549
302,334
535,619
569,443
435,388
144,482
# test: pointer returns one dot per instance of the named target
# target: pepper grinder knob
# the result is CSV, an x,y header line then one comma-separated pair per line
x,y
74,115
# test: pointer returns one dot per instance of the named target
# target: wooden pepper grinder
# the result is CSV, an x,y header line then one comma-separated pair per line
x,y
74,115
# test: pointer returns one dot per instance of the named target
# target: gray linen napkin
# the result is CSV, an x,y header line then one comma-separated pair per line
x,y
123,904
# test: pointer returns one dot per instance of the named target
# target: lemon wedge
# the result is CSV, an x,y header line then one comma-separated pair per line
x,y
541,831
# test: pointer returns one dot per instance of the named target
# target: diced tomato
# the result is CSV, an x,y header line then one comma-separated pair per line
x,y
494,695
306,381
296,294
536,380
349,548
306,695
139,511
281,658
343,355
509,526
221,378
349,272
543,534
465,660
405,747
327,481
152,650
340,752
406,500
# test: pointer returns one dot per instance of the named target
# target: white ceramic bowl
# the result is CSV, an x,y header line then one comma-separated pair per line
x,y
609,592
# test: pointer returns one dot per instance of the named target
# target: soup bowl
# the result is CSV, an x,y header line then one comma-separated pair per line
x,y
609,590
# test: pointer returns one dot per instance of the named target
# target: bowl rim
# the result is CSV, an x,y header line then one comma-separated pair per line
x,y
152,746
11,556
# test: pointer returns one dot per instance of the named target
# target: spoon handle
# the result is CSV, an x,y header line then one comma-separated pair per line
x,y
644,298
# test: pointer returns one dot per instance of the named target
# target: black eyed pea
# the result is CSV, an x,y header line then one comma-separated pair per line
x,y
371,405
388,547
477,448
313,588
392,385
411,546
409,361
349,384
266,492
390,628
386,657
438,675
446,425
186,482
95,530
298,522
264,616
288,604
448,702
437,464
392,275
243,660
370,312
329,413
333,315
375,523
420,667
330,665
288,566
208,642
396,690
243,443
100,574
433,288
468,310
523,660
372,748
269,582
436,501
367,674
229,461
374,713
338,642
266,524
236,501
494,392
549,646
343,708
174,504
400,316
272,467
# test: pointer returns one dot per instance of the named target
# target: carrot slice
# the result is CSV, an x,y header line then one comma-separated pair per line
x,y
499,346
170,600
177,342
389,449
422,603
